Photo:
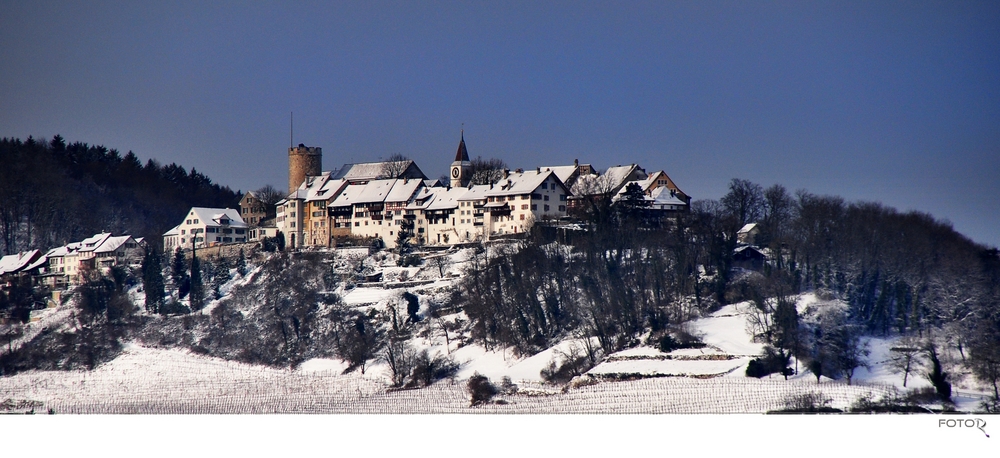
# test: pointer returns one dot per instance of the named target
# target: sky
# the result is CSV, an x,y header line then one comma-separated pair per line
x,y
896,102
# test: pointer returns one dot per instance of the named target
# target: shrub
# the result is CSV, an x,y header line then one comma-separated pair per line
x,y
677,340
572,365
480,389
812,402
427,370
409,260
507,386
771,361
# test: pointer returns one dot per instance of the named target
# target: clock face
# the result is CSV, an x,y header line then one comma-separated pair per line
x,y
454,172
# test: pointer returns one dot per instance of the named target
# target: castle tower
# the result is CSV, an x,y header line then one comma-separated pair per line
x,y
303,161
461,169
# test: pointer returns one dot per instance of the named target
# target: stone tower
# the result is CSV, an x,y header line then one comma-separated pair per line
x,y
303,161
461,169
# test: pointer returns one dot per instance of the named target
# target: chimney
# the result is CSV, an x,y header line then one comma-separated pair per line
x,y
506,173
576,162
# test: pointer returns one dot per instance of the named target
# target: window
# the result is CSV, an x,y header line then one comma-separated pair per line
x,y
356,224
522,216
524,207
293,223
183,232
562,197
562,208
534,206
187,222
195,221
545,186
546,197
546,208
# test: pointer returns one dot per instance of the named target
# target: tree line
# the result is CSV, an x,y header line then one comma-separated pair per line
x,y
53,193
900,273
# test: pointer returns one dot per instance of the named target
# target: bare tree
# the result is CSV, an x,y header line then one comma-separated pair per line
x,y
487,171
745,201
268,195
394,166
906,356
401,358
441,262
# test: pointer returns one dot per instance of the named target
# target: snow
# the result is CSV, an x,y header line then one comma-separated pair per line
x,y
708,379
360,296
726,330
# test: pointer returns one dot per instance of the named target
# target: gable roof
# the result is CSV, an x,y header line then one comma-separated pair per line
x,y
17,262
215,215
111,244
368,171
446,198
518,183
403,190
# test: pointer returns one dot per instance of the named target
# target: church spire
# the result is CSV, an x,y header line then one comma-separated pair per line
x,y
463,154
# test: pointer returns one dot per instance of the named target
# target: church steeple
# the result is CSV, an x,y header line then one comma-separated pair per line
x,y
461,169
463,154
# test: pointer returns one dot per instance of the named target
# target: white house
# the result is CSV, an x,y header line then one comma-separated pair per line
x,y
203,227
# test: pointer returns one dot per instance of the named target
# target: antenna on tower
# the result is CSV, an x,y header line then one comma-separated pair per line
x,y
291,128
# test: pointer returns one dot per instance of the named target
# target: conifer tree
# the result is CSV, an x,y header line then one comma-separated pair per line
x,y
241,263
152,280
197,294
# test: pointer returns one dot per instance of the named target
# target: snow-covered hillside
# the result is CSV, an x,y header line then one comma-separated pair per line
x,y
641,379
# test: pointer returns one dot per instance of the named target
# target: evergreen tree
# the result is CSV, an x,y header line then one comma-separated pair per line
x,y
179,274
221,276
152,280
197,294
241,263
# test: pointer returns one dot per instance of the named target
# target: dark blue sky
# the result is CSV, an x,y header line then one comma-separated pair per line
x,y
897,102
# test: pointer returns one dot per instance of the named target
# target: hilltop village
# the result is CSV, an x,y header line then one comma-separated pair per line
x,y
394,202
373,203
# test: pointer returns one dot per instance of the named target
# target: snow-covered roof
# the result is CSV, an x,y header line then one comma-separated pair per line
x,y
445,198
664,196
476,192
402,190
423,198
112,243
215,215
16,262
747,228
618,174
563,172
175,231
59,252
40,262
367,171
349,196
518,183
374,191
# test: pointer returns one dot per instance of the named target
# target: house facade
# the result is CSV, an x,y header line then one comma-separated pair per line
x,y
204,227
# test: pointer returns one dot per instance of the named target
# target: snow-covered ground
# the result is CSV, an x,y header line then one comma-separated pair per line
x,y
144,380
704,380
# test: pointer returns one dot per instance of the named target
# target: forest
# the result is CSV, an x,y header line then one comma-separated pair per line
x,y
53,193
623,276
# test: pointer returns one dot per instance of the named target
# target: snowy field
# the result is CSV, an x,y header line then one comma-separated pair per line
x,y
152,381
